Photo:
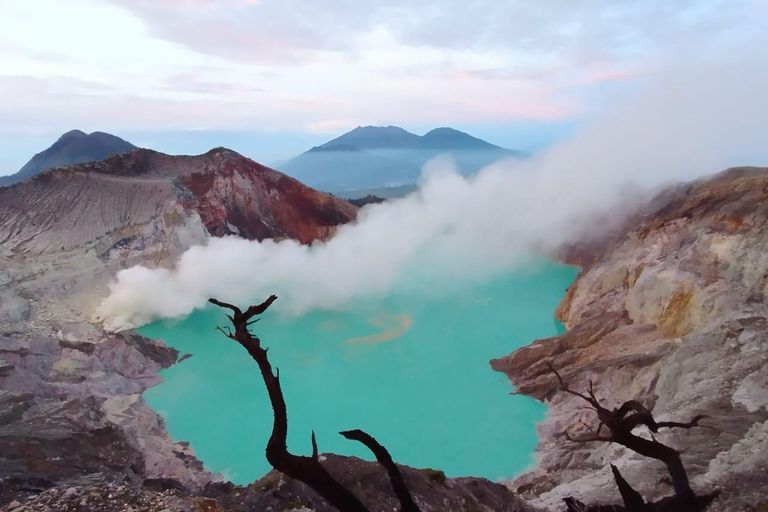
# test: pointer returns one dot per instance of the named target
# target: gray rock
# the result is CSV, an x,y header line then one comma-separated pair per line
x,y
13,308
672,312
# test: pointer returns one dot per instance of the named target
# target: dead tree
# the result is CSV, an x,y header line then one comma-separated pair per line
x,y
617,426
308,470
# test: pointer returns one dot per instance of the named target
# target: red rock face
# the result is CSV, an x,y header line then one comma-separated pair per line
x,y
144,199
247,199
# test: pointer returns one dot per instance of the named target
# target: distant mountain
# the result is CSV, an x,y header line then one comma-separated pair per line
x,y
387,156
450,139
382,192
333,147
74,147
376,137
393,137
334,170
366,200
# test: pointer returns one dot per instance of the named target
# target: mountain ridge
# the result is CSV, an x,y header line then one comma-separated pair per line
x,y
445,138
376,137
394,137
130,198
370,157
71,148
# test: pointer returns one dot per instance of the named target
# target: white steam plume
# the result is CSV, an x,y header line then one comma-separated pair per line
x,y
690,122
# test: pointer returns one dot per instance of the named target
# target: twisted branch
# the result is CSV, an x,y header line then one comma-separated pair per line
x,y
305,469
620,423
383,457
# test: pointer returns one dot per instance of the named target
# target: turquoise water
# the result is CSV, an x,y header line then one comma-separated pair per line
x,y
411,370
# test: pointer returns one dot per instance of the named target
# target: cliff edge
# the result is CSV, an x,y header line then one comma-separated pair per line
x,y
670,311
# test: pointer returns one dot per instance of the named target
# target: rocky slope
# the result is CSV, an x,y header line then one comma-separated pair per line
x,y
70,394
129,199
670,310
74,147
75,433
431,490
65,232
71,407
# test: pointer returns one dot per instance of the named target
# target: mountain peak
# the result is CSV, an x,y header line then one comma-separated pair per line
x,y
73,134
74,147
388,156
221,150
441,130
393,137
375,137
380,129
449,138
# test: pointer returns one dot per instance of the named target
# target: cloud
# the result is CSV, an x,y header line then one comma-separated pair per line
x,y
204,63
225,96
332,126
264,32
288,31
58,103
189,82
695,118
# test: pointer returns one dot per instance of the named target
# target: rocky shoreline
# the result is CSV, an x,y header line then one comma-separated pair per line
x,y
71,408
76,435
670,311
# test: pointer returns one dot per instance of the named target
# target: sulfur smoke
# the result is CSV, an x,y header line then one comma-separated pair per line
x,y
690,121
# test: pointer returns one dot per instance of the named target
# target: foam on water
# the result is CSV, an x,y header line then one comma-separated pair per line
x,y
411,369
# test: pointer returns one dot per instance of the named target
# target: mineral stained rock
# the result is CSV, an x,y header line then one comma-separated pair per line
x,y
670,311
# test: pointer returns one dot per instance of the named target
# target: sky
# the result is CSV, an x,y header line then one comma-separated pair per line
x,y
271,78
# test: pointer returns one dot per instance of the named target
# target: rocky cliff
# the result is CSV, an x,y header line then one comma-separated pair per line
x,y
143,197
75,432
671,311
65,232
70,394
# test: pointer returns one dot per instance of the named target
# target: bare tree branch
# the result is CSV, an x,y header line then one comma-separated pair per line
x,y
568,390
691,424
225,305
227,333
261,308
385,459
632,499
305,469
621,421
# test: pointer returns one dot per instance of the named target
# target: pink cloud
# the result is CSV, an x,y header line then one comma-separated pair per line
x,y
332,125
595,77
194,83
